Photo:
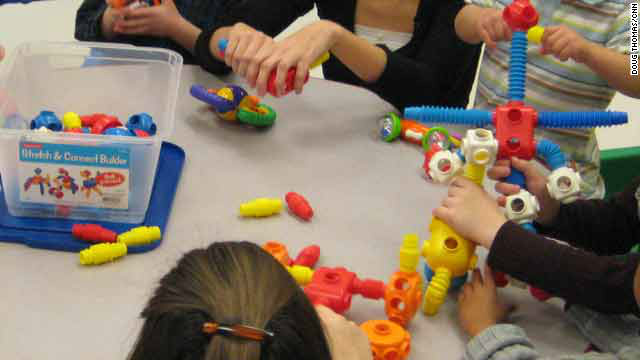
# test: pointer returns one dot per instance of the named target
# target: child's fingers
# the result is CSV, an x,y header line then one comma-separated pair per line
x,y
486,38
502,200
443,214
130,25
266,67
254,65
507,189
488,277
526,167
548,31
498,172
565,49
476,278
140,13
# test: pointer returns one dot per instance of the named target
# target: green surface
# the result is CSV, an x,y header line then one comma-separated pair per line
x,y
618,167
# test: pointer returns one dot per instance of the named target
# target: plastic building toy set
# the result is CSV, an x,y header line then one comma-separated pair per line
x,y
447,254
262,207
139,125
335,288
233,103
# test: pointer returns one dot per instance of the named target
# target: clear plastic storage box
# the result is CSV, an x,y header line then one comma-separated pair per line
x,y
83,176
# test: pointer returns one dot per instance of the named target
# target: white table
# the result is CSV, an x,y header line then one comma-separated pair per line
x,y
366,195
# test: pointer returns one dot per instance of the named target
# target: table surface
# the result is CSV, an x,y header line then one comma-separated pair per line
x,y
366,194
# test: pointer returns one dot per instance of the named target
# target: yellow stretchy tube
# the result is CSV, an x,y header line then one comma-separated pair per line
x,y
324,57
409,253
102,253
474,173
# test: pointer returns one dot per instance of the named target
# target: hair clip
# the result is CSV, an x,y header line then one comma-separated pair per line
x,y
241,331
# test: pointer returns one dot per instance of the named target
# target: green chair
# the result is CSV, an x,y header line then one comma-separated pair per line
x,y
618,167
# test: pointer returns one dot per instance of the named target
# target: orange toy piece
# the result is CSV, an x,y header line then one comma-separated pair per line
x,y
413,131
403,294
388,340
278,251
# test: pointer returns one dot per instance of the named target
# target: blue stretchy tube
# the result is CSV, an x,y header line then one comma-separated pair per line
x,y
518,66
584,119
436,114
551,153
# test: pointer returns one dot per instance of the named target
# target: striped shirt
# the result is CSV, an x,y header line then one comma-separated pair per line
x,y
553,85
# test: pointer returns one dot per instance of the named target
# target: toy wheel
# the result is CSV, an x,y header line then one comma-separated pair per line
x,y
437,135
263,117
390,127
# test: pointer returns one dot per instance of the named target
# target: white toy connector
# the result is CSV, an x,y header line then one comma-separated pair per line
x,y
479,146
563,185
522,207
444,166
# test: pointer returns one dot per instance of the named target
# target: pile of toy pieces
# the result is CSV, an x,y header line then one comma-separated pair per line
x,y
263,207
139,125
335,287
449,256
108,245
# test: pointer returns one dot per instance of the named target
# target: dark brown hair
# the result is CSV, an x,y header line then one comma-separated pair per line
x,y
230,283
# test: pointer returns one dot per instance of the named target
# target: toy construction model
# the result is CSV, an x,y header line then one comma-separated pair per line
x,y
233,103
335,287
515,124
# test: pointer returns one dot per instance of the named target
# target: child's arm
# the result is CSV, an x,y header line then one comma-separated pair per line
x,y
613,66
600,282
481,311
476,24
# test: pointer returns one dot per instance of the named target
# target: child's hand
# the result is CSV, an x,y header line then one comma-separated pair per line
x,y
536,184
478,304
347,340
565,43
109,18
492,27
246,50
1,52
471,212
158,20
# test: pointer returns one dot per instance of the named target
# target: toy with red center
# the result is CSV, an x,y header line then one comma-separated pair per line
x,y
233,103
515,124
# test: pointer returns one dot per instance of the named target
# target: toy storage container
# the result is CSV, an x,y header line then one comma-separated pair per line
x,y
93,177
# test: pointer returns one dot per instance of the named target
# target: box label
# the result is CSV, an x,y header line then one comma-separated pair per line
x,y
74,175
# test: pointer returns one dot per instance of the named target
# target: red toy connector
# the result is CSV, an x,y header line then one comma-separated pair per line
x,y
515,125
308,256
89,120
299,205
539,294
278,251
289,81
500,279
93,233
520,15
334,288
103,123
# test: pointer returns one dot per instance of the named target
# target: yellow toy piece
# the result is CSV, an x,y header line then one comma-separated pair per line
x,y
449,256
71,120
319,61
301,274
141,235
535,33
261,207
102,253
388,340
474,173
404,290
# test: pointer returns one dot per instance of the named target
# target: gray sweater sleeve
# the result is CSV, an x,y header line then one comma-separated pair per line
x,y
509,342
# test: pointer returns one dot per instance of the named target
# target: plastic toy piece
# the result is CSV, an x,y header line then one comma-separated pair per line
x,y
39,180
93,233
308,256
140,133
89,120
388,340
450,256
141,235
522,207
102,253
520,15
564,185
261,207
71,120
291,73
442,166
392,127
83,130
335,287
301,274
404,290
299,205
103,123
118,131
233,103
534,34
119,4
142,121
278,251
48,120
479,147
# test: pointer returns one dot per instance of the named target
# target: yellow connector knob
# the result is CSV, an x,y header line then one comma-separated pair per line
x,y
261,207
409,253
102,253
301,274
71,120
535,33
141,235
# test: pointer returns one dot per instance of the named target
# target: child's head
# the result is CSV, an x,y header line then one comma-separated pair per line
x,y
229,283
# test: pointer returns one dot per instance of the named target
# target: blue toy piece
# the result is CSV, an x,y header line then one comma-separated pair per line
x,y
142,121
119,131
37,179
220,104
15,121
47,119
